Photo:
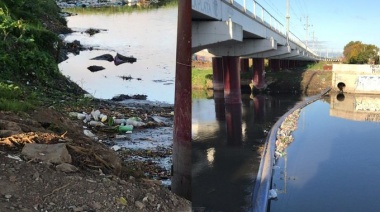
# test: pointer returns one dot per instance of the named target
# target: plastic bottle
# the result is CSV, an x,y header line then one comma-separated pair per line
x,y
125,128
119,121
135,122
96,123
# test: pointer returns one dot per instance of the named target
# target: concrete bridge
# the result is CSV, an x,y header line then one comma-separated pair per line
x,y
236,34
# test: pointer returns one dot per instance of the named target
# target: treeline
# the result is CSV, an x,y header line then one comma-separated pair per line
x,y
356,52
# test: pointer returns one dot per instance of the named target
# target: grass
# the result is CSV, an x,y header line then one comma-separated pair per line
x,y
12,98
200,81
317,66
199,78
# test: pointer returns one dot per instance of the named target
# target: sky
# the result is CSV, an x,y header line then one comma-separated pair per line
x,y
334,23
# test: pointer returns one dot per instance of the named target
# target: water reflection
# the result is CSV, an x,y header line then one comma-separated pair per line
x,y
149,36
357,107
333,158
233,124
226,148
219,105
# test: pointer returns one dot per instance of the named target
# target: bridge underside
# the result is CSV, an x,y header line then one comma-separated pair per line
x,y
226,38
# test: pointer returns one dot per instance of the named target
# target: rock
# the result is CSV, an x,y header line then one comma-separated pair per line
x,y
122,97
9,128
123,182
77,209
36,176
12,178
145,199
54,153
139,205
65,167
92,31
107,57
120,59
96,205
95,68
150,197
7,196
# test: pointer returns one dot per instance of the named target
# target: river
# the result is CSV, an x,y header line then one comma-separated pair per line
x,y
330,166
224,168
333,162
150,36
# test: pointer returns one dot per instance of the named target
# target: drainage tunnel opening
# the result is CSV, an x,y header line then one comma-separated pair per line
x,y
341,86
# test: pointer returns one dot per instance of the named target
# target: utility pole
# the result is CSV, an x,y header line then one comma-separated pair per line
x,y
181,179
287,21
307,28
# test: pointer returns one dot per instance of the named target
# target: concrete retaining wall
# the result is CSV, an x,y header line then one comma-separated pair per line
x,y
356,78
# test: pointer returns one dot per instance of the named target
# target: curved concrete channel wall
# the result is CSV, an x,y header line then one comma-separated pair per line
x,y
264,175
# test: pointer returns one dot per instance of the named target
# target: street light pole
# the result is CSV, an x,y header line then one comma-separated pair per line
x,y
287,21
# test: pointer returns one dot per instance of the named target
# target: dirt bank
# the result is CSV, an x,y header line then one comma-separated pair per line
x,y
105,180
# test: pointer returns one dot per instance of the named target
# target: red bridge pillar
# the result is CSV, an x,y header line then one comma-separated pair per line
x,y
220,113
258,73
232,91
218,84
292,64
244,64
274,65
284,64
217,74
232,98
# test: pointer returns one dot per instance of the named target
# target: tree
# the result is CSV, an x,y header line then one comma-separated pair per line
x,y
355,52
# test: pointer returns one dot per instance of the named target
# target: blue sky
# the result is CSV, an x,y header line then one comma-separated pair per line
x,y
334,22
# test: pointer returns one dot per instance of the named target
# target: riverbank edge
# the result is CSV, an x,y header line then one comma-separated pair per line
x,y
260,195
305,80
57,105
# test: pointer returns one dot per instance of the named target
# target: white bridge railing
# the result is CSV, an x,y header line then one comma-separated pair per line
x,y
260,14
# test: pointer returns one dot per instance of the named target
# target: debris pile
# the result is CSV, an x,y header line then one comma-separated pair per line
x,y
284,133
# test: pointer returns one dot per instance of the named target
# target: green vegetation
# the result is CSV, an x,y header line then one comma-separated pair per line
x,y
122,9
28,50
317,65
199,78
360,53
10,96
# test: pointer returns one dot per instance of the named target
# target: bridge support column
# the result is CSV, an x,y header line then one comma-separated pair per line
x,y
232,98
232,90
220,113
234,124
284,64
218,85
292,64
274,65
244,64
298,63
217,74
258,73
